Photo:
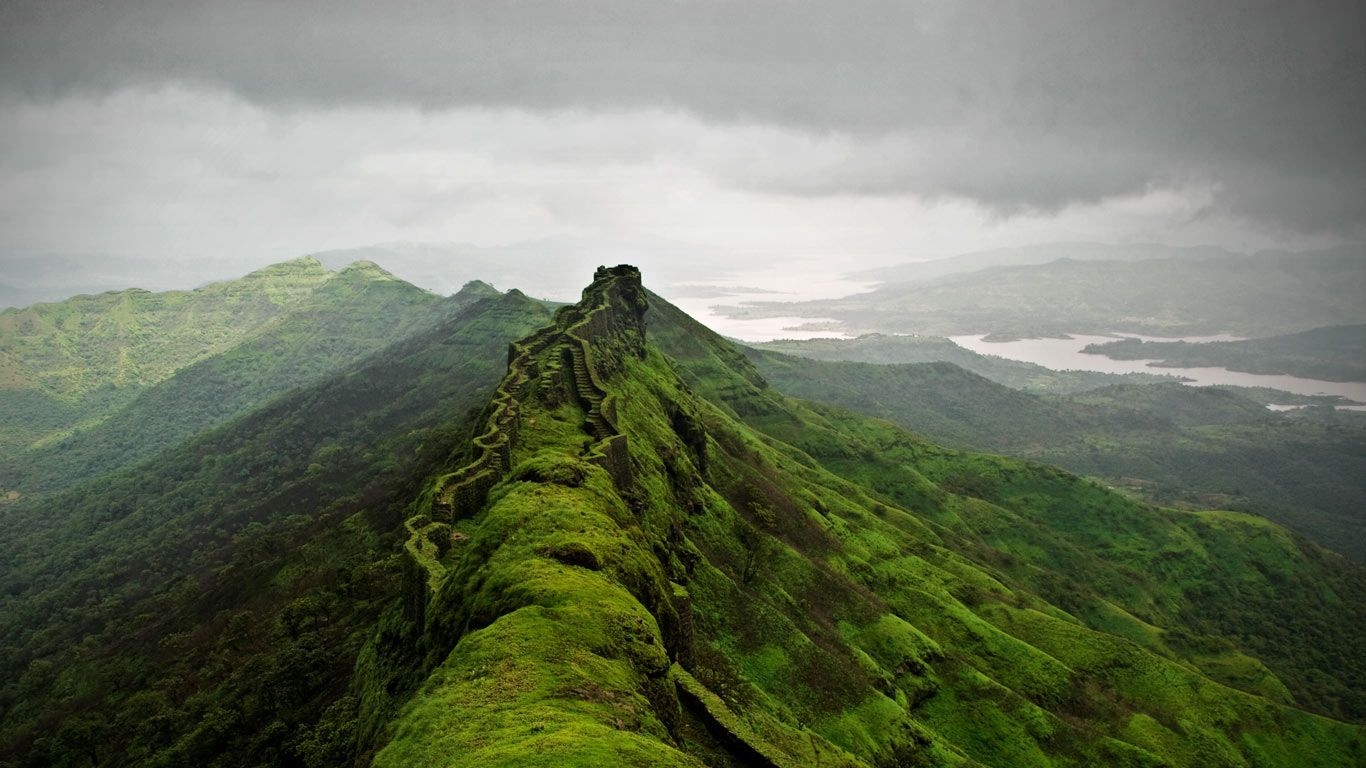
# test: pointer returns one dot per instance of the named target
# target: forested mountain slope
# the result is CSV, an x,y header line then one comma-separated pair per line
x,y
1169,443
667,563
351,316
66,362
205,607
97,382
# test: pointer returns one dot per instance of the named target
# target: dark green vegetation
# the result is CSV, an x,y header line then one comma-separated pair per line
x,y
1167,443
767,582
882,349
1248,295
625,558
1331,354
99,382
206,606
64,363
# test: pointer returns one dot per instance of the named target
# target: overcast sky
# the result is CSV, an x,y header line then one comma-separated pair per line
x,y
185,141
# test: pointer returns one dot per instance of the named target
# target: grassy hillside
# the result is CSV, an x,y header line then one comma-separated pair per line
x,y
1331,354
206,606
1168,443
361,310
767,582
67,366
1248,295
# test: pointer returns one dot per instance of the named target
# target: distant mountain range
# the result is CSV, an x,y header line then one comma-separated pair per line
x,y
1197,293
1044,253
1336,353
97,382
886,349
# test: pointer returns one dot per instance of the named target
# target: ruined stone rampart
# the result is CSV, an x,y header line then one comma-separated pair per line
x,y
598,342
594,337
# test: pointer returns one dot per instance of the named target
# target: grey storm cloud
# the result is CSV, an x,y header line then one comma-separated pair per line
x,y
1014,105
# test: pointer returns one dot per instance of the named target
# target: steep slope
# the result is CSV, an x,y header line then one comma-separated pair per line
x,y
624,571
206,606
1172,444
356,312
1144,540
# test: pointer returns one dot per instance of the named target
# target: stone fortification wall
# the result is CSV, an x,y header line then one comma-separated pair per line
x,y
609,330
594,337
464,491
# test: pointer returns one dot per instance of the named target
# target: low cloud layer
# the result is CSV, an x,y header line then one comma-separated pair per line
x,y
183,175
1016,106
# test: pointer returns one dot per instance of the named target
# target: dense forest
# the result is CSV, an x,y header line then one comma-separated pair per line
x,y
205,606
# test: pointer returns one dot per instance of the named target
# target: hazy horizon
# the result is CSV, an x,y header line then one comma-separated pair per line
x,y
192,141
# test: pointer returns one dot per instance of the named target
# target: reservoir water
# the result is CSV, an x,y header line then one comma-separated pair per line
x,y
1065,354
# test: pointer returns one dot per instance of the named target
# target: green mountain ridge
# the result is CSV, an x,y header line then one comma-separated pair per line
x,y
633,550
45,338
752,586
284,326
69,363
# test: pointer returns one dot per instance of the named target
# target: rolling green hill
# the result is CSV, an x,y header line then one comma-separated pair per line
x,y
67,362
634,551
141,384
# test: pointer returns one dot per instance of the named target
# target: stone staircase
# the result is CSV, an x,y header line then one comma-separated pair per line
x,y
589,396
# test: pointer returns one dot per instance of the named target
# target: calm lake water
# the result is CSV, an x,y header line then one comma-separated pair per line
x,y
1066,354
